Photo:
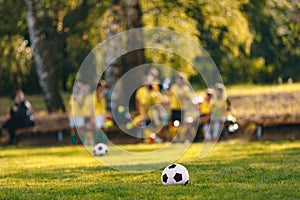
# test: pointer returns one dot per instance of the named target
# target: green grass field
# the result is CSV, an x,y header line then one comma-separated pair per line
x,y
233,170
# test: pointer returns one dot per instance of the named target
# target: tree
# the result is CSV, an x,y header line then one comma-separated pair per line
x,y
170,15
277,28
124,15
15,52
220,27
43,59
134,41
134,38
251,40
223,29
115,25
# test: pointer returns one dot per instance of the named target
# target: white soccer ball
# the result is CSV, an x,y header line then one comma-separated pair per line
x,y
175,174
100,149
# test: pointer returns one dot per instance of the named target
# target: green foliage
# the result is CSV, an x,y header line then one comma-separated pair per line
x,y
220,27
15,54
71,32
251,41
276,26
245,70
166,14
12,14
233,170
15,60
223,23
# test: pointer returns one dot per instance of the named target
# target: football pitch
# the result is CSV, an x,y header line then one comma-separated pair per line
x,y
232,170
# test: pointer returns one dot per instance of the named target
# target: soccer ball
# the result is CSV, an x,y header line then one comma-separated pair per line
x,y
175,174
100,149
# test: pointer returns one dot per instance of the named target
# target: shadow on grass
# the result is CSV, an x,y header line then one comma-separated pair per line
x,y
59,151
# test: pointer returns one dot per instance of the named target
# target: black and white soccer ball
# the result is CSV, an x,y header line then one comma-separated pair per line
x,y
100,149
175,174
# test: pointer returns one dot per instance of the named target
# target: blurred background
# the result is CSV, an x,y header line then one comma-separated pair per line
x,y
254,43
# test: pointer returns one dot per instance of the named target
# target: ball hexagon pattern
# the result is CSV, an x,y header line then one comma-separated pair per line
x,y
100,149
175,174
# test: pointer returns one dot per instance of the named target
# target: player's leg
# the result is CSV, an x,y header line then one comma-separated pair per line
x,y
206,130
217,129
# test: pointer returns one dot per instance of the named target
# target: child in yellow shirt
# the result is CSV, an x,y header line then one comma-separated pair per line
x,y
205,112
218,113
99,113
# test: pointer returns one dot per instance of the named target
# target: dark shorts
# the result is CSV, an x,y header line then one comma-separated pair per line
x,y
177,115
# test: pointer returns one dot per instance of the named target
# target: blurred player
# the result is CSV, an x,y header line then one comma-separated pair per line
x,y
98,119
205,109
153,78
218,113
80,110
180,94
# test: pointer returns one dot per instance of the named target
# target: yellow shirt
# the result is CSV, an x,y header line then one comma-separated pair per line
x,y
206,107
81,106
100,104
178,95
142,95
145,99
156,85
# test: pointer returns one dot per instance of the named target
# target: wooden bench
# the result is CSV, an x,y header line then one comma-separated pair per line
x,y
272,126
51,129
54,130
44,124
268,126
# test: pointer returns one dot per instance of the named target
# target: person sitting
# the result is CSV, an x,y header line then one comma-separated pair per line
x,y
21,115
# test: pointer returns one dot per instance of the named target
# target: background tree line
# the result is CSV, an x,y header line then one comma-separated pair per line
x,y
251,41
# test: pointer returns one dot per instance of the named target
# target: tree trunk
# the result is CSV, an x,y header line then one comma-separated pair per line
x,y
42,60
134,38
1,90
130,11
134,44
114,68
